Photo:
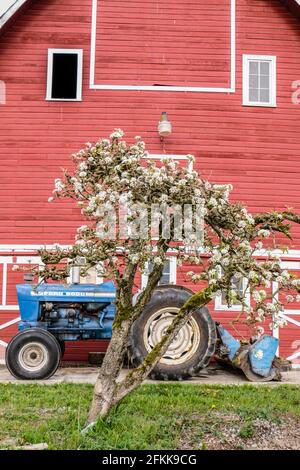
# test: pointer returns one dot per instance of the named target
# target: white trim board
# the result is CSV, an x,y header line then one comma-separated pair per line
x,y
10,323
11,11
7,325
27,248
231,89
292,255
293,356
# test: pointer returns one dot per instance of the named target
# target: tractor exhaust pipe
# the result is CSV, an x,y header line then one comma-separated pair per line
x,y
75,275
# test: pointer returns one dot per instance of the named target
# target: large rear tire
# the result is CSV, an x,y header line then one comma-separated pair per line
x,y
192,348
33,354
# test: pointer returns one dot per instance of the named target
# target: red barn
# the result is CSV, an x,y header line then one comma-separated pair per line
x,y
226,71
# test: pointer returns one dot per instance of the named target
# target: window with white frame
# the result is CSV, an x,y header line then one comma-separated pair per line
x,y
64,77
239,286
168,274
259,80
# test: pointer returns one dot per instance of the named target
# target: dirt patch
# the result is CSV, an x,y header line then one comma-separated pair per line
x,y
232,432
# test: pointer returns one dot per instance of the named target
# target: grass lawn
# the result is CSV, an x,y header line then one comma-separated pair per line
x,y
162,416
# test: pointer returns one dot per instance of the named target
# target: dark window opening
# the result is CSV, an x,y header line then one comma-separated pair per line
x,y
166,274
64,76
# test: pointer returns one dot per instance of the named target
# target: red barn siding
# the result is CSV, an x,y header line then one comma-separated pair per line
x,y
256,149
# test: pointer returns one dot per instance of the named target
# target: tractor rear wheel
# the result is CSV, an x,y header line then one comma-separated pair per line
x,y
33,354
191,349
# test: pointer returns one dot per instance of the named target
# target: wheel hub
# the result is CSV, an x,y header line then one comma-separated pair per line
x,y
185,342
33,356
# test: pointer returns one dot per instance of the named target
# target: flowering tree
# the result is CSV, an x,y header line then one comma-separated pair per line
x,y
136,210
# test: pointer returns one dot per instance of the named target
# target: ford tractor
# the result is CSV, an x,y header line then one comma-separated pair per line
x,y
52,314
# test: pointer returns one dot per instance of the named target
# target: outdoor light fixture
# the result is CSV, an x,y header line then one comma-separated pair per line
x,y
164,126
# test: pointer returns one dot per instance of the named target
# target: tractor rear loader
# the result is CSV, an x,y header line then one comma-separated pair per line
x,y
52,314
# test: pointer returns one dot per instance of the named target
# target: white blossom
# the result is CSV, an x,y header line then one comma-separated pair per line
x,y
59,186
260,330
296,283
285,274
117,134
134,259
102,195
110,176
266,283
82,166
80,242
259,354
256,296
82,228
270,307
212,202
264,233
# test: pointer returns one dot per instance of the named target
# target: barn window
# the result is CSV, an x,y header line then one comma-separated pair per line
x,y
259,80
64,81
240,287
168,275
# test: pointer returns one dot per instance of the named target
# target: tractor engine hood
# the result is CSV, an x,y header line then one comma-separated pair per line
x,y
30,296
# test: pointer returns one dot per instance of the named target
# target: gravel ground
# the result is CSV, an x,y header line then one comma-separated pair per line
x,y
214,375
232,432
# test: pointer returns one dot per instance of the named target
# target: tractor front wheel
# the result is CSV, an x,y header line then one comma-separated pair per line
x,y
33,355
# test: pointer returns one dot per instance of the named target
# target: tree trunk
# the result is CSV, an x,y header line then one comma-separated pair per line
x,y
106,382
106,385
107,391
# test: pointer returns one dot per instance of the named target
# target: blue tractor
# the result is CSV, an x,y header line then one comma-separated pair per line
x,y
54,313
